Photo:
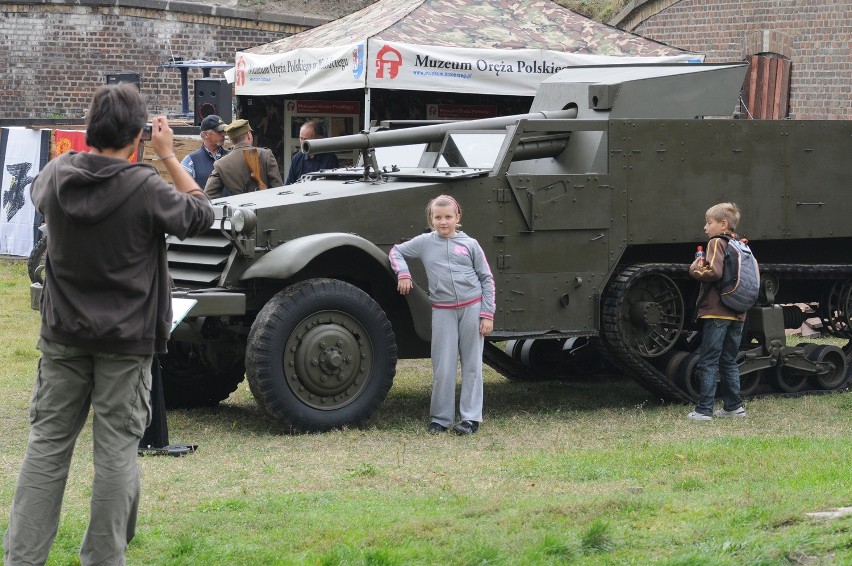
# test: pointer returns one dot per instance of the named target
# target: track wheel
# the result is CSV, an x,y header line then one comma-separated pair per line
x,y
685,374
321,354
836,360
651,315
789,381
750,382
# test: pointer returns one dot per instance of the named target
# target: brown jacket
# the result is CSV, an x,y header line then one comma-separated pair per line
x,y
709,301
232,173
107,282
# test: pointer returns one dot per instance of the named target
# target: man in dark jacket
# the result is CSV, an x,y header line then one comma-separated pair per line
x,y
307,162
231,175
199,163
105,311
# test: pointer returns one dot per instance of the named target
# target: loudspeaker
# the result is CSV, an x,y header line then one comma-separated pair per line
x,y
212,96
124,77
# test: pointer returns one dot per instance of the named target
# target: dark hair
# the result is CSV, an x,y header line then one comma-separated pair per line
x,y
115,117
318,126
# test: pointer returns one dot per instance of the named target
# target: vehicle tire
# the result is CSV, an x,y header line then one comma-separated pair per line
x,y
834,356
688,377
750,382
321,354
37,261
191,381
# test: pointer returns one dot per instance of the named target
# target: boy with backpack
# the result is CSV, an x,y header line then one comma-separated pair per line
x,y
725,295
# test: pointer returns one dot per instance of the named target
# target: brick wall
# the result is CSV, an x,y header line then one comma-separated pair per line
x,y
820,33
55,53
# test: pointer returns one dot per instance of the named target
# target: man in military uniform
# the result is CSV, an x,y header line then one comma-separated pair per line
x,y
199,163
232,175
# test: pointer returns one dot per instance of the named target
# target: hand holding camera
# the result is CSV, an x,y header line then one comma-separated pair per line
x,y
162,137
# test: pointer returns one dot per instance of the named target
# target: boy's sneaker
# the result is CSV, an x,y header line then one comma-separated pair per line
x,y
436,428
695,416
741,412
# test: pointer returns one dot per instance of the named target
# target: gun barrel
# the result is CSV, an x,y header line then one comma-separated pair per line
x,y
423,134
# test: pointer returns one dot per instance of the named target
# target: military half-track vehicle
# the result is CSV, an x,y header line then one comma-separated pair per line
x,y
589,209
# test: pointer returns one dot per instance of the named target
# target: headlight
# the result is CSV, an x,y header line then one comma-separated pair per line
x,y
243,221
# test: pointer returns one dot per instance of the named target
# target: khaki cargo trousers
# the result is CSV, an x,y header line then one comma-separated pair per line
x,y
70,380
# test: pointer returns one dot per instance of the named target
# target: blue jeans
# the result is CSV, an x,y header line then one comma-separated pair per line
x,y
720,342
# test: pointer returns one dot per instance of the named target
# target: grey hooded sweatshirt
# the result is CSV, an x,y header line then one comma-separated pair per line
x,y
106,280
458,273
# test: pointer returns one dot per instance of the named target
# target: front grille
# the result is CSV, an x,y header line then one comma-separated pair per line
x,y
198,262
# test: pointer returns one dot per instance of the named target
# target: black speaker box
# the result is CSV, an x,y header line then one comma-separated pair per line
x,y
212,96
116,78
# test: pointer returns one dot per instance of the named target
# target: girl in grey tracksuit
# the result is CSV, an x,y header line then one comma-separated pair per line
x,y
461,290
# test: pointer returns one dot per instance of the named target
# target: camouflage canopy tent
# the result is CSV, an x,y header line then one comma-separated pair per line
x,y
503,47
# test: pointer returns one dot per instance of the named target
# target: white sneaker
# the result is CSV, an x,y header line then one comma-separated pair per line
x,y
741,412
698,416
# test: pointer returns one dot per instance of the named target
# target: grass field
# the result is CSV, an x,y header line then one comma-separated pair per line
x,y
560,473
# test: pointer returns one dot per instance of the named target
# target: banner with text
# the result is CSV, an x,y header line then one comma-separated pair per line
x,y
298,71
379,64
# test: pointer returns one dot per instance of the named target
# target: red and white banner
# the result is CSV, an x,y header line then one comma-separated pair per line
x,y
398,66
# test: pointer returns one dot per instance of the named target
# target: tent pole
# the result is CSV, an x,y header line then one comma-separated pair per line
x,y
366,108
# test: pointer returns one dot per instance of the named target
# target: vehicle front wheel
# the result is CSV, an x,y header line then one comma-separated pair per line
x,y
321,354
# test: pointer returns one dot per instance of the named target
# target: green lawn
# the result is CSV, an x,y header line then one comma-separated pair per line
x,y
577,472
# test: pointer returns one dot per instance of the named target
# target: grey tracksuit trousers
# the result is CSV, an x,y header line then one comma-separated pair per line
x,y
455,335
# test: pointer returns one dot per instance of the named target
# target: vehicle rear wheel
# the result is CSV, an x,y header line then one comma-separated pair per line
x,y
321,354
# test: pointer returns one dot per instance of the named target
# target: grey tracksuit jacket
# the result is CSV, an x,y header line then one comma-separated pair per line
x,y
456,267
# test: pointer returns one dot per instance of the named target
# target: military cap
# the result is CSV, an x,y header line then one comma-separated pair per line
x,y
213,122
237,128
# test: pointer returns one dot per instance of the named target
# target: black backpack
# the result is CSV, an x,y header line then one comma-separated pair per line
x,y
740,283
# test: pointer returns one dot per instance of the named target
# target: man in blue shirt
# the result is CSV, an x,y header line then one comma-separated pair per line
x,y
308,163
199,163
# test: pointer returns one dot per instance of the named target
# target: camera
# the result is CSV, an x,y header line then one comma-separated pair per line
x,y
146,132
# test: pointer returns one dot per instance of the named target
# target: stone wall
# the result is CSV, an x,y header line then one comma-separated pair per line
x,y
816,35
55,53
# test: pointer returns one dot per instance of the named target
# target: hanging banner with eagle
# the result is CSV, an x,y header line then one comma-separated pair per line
x,y
23,152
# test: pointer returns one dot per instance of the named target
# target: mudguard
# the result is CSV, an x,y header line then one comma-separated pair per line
x,y
291,257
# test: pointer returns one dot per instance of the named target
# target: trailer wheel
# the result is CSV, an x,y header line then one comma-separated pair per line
x,y
321,354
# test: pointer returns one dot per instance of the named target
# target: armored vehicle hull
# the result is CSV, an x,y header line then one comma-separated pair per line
x,y
589,210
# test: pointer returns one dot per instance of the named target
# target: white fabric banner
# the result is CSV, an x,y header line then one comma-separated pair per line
x,y
414,67
301,70
21,160
485,71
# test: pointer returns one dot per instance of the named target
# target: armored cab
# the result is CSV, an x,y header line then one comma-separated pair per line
x,y
588,208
